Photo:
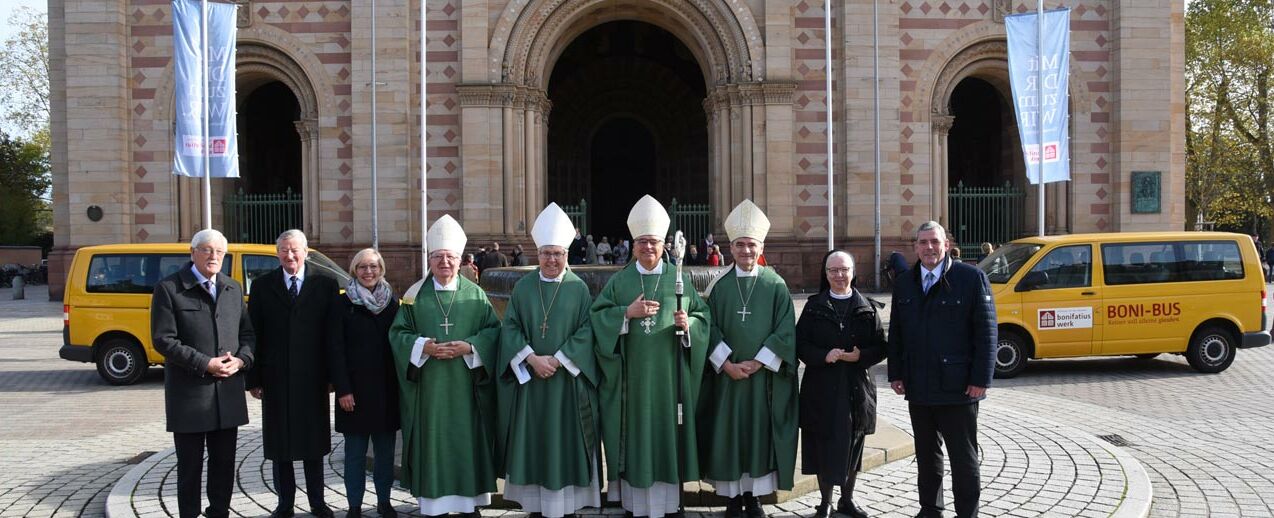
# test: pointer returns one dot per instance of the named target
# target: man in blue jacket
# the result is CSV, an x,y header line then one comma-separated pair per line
x,y
942,338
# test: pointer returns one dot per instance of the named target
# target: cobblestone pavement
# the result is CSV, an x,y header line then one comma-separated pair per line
x,y
67,438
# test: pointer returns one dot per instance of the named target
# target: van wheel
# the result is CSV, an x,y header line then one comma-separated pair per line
x,y
1010,354
1211,349
121,362
1147,356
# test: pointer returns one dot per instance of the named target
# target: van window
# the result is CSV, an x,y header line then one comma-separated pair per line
x,y
1182,261
255,266
1005,261
136,273
1067,267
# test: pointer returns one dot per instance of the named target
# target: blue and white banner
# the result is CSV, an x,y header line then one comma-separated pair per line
x,y
220,142
1047,106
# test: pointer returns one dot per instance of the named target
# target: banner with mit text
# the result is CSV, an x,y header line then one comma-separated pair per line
x,y
220,143
1046,106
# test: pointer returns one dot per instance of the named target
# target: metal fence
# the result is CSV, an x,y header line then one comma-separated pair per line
x,y
985,215
579,215
260,218
692,219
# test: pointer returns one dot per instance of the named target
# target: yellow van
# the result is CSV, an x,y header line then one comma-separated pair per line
x,y
106,306
1201,294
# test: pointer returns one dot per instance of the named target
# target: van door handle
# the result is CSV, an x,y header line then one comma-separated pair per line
x,y
1087,293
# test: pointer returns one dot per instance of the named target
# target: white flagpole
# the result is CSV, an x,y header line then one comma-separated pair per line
x,y
375,86
831,168
207,139
875,64
424,166
1039,114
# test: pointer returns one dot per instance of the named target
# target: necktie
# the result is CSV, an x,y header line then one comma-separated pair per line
x,y
292,289
928,281
207,286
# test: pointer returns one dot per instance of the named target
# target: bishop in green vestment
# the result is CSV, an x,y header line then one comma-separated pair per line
x,y
647,454
549,430
443,339
748,410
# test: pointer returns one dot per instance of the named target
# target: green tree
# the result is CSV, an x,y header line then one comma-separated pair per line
x,y
24,182
1230,111
24,73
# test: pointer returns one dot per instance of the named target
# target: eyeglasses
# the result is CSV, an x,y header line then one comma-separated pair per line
x,y
553,255
210,251
444,257
839,271
648,242
368,268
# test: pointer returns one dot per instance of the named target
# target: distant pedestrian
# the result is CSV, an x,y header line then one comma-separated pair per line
x,y
199,322
590,252
493,259
622,251
604,254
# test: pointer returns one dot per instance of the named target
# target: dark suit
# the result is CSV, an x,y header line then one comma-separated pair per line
x,y
190,329
292,372
941,342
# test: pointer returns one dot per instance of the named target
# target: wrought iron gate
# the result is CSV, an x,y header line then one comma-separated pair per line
x,y
985,215
260,218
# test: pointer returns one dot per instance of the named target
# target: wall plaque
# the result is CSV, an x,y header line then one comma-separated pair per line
x,y
1145,192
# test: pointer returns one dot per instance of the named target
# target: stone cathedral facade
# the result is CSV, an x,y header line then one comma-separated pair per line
x,y
591,103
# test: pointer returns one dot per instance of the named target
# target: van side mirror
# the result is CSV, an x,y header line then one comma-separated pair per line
x,y
1031,281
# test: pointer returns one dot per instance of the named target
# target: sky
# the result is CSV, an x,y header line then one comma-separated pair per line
x,y
8,6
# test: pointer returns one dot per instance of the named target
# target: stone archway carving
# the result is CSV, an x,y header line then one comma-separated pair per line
x,y
725,38
530,36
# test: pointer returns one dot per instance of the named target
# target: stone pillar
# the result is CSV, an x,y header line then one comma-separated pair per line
x,y
938,181
777,185
1149,116
311,210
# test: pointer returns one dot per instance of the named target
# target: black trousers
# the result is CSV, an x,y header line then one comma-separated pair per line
x,y
285,482
190,449
957,425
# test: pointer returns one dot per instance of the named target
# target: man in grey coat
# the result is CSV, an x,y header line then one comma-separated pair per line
x,y
199,322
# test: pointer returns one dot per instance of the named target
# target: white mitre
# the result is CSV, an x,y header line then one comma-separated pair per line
x,y
446,234
747,220
553,228
648,218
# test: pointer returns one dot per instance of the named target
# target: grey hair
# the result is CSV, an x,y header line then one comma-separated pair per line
x,y
844,253
205,236
290,235
358,258
932,225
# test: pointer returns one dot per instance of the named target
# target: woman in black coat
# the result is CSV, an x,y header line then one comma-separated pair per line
x,y
363,376
838,337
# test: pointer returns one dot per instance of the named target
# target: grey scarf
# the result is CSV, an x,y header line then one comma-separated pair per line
x,y
374,300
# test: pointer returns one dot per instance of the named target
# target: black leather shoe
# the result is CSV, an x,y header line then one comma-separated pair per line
x,y
752,507
354,513
322,512
473,514
734,507
847,507
283,513
386,510
820,511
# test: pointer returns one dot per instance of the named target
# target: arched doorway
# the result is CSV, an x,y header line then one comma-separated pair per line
x,y
986,195
269,146
627,120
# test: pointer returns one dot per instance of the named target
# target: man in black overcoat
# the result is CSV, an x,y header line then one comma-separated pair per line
x,y
289,309
942,339
199,323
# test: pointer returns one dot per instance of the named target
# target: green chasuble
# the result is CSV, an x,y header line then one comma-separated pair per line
x,y
449,412
750,426
639,421
548,427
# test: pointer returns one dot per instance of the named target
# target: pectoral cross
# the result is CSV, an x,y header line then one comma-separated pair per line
x,y
648,323
446,326
544,329
745,313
